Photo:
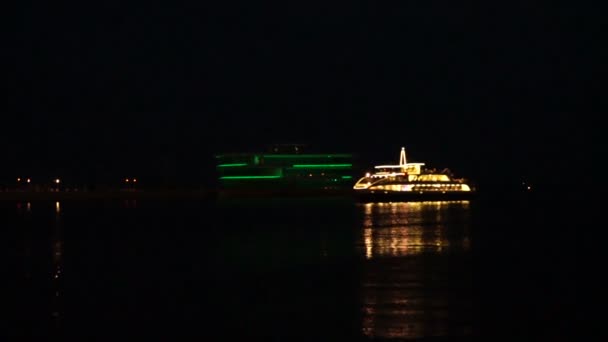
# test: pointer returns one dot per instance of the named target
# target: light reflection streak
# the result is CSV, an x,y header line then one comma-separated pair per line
x,y
367,230
409,228
57,257
409,250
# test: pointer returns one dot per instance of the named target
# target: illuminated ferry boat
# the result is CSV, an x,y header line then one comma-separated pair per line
x,y
410,181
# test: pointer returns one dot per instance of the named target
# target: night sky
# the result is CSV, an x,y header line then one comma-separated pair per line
x,y
97,92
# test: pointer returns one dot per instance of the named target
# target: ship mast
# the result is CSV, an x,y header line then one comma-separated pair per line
x,y
402,160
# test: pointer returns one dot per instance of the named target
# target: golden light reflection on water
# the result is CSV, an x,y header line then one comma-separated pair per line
x,y
409,228
415,273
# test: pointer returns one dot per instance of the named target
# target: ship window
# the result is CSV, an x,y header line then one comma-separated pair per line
x,y
434,178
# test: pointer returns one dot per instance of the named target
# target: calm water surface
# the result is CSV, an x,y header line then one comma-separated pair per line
x,y
289,269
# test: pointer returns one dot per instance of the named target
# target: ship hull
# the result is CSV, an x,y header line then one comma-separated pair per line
x,y
411,196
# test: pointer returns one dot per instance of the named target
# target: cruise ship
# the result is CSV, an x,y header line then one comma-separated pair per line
x,y
410,181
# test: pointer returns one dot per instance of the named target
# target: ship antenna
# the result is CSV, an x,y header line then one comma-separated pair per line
x,y
402,160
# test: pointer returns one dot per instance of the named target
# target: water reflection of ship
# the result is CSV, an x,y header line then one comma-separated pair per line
x,y
416,277
410,228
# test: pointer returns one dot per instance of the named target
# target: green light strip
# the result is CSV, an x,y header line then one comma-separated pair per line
x,y
232,165
291,156
250,177
347,177
322,166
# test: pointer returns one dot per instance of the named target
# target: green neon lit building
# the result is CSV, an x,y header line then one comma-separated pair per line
x,y
285,167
